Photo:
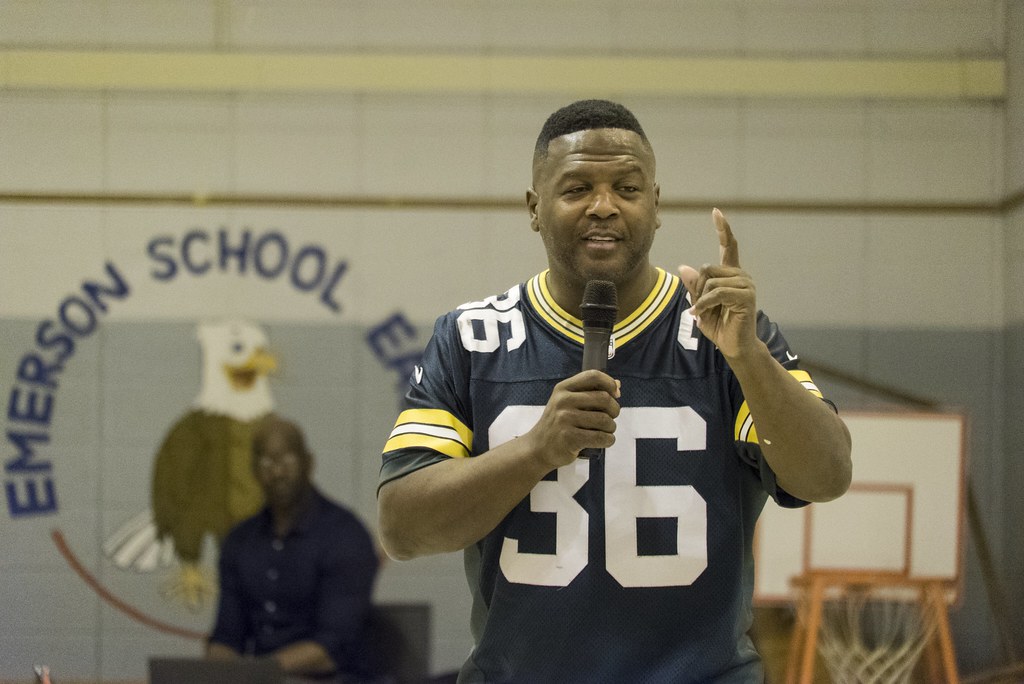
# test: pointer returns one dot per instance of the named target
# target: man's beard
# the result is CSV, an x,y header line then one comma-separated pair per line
x,y
569,258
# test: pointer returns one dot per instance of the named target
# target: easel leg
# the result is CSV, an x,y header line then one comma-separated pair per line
x,y
810,640
797,639
942,632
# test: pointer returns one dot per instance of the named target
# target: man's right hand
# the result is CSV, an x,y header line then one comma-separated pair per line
x,y
458,501
580,414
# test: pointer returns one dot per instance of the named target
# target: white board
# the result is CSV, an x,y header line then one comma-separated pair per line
x,y
903,513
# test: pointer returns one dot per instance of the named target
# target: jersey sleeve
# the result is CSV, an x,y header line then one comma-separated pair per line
x,y
745,431
433,425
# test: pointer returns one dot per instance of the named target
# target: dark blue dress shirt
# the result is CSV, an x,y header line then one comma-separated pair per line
x,y
313,584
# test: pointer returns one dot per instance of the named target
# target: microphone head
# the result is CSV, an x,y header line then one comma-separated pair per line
x,y
600,304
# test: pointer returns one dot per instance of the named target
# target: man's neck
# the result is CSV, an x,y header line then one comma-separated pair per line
x,y
284,516
630,295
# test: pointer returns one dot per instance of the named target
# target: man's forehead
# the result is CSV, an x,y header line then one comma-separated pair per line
x,y
598,141
598,144
276,437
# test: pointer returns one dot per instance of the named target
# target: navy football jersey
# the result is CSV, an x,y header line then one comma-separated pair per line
x,y
633,567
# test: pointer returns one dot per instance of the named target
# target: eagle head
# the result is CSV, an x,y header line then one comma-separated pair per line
x,y
236,362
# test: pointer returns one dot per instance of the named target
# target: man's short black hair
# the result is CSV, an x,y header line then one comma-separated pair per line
x,y
287,429
584,115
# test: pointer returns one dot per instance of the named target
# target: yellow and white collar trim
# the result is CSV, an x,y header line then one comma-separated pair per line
x,y
625,330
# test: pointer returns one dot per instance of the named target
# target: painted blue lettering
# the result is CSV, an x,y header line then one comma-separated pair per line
x,y
327,296
194,267
275,269
68,320
31,503
94,289
390,335
390,342
227,251
152,249
23,461
64,342
307,253
32,369
29,411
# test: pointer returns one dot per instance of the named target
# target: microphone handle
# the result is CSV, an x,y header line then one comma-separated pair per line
x,y
595,357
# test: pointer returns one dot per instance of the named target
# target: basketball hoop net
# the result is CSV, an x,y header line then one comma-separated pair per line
x,y
870,628
866,638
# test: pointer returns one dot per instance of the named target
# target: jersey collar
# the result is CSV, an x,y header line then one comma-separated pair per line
x,y
624,331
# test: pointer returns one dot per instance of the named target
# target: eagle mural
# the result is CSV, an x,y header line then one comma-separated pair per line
x,y
202,479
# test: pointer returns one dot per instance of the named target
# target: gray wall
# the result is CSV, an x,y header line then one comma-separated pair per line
x,y
1013,389
925,300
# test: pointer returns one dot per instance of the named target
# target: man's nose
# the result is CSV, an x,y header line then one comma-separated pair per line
x,y
603,205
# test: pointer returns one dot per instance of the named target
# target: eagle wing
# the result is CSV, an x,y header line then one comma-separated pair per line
x,y
203,481
179,462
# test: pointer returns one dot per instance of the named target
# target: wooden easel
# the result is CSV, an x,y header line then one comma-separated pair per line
x,y
815,584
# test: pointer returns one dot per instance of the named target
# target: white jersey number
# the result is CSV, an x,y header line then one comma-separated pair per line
x,y
480,323
624,500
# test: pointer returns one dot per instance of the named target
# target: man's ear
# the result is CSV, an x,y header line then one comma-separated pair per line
x,y
532,199
657,206
310,466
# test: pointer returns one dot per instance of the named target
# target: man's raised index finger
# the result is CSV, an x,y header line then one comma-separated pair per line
x,y
728,248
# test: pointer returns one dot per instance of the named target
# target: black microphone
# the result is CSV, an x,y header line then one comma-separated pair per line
x,y
600,309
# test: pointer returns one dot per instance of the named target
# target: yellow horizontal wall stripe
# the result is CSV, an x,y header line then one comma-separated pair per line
x,y
419,73
457,203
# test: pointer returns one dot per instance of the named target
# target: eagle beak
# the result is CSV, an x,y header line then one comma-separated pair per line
x,y
262,362
243,377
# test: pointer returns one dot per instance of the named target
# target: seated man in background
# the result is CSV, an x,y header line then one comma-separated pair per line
x,y
296,578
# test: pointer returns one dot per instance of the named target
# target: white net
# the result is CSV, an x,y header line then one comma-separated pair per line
x,y
867,639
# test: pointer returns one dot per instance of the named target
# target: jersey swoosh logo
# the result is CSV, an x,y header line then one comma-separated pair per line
x,y
417,372
790,356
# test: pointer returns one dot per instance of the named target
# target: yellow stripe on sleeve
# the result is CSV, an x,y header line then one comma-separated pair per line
x,y
745,430
805,379
438,417
415,439
432,429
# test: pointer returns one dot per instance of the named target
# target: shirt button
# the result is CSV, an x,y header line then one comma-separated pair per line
x,y
273,574
277,545
269,606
